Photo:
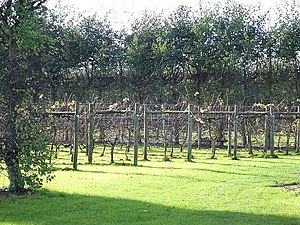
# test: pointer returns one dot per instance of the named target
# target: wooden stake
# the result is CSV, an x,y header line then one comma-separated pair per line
x,y
272,133
145,133
199,131
267,134
288,136
235,136
190,130
136,135
86,131
199,135
90,133
298,133
229,134
164,133
76,134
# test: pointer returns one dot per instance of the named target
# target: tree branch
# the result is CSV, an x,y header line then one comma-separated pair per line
x,y
37,4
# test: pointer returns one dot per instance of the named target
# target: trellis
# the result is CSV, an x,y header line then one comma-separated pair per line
x,y
170,126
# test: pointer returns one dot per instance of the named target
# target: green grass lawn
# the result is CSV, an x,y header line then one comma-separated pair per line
x,y
206,192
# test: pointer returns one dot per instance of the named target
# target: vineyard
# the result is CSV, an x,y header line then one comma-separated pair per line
x,y
135,131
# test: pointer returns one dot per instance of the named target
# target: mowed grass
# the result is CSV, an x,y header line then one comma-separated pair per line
x,y
205,191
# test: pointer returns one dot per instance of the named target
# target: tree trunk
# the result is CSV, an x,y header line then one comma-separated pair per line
x,y
279,142
176,132
249,131
220,133
288,136
213,148
243,133
112,154
16,182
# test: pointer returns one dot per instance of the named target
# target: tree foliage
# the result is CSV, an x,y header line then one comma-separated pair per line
x,y
230,51
22,52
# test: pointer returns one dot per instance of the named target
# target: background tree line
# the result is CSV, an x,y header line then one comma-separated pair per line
x,y
233,52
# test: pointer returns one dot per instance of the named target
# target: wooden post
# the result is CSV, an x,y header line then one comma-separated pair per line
x,y
213,141
298,133
136,135
288,136
128,141
272,133
199,131
199,135
267,134
190,130
145,133
171,142
229,134
76,134
297,138
235,136
250,147
90,133
87,131
164,132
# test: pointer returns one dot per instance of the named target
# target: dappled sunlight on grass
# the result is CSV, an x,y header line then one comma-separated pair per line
x,y
221,191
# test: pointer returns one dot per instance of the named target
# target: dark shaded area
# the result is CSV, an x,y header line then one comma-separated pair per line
x,y
5,192
295,186
81,209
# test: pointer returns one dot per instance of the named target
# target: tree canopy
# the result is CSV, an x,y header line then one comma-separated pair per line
x,y
230,51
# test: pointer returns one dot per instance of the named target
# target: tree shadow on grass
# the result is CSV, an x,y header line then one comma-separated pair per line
x,y
48,208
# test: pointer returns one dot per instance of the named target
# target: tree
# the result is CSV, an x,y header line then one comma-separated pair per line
x,y
226,53
98,57
86,58
141,57
177,46
22,79
287,42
